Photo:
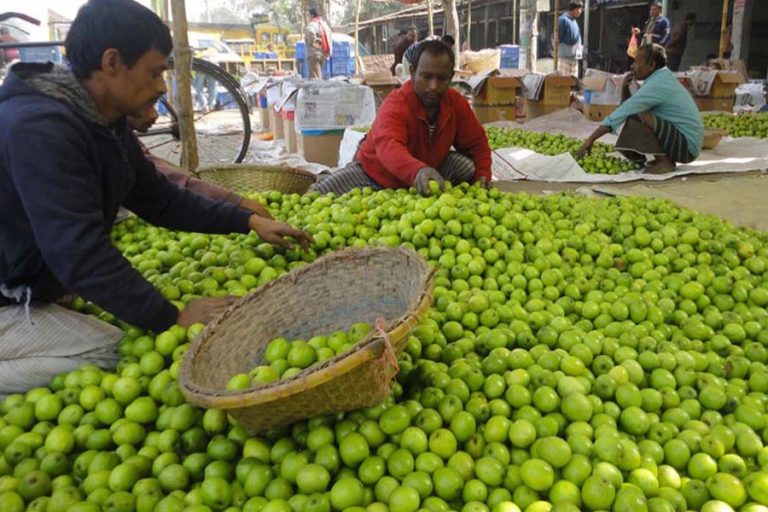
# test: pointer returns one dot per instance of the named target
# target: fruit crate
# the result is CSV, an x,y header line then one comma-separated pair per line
x,y
342,66
343,49
301,68
342,288
510,63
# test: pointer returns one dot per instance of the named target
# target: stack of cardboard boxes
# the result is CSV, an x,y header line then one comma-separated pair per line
x,y
602,94
546,94
494,96
722,94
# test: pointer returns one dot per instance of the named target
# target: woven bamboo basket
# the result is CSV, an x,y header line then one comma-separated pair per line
x,y
245,178
387,287
712,137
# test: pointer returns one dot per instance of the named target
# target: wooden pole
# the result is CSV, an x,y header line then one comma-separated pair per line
x,y
452,26
360,65
469,24
585,42
535,39
723,30
556,31
182,56
431,18
515,21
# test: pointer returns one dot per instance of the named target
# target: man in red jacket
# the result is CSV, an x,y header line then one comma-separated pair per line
x,y
410,142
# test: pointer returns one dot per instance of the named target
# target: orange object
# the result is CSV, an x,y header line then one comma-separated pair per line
x,y
266,136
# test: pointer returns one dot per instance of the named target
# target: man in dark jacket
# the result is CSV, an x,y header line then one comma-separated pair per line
x,y
678,40
68,161
410,142
569,47
407,39
656,29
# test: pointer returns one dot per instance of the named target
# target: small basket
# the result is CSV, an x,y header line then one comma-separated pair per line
x,y
246,178
712,137
388,287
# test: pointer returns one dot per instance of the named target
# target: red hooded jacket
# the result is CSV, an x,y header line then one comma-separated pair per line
x,y
398,144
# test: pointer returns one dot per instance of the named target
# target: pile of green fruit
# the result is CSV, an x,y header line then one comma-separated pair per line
x,y
599,161
745,125
580,354
286,359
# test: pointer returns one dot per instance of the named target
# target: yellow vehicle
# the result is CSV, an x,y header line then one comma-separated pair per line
x,y
271,38
245,48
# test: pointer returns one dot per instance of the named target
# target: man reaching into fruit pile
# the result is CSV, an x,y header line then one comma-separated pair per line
x,y
660,119
68,161
410,142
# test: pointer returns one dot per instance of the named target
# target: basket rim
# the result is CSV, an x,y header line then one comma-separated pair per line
x,y
366,349
274,169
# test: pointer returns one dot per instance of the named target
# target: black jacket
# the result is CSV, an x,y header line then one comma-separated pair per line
x,y
63,176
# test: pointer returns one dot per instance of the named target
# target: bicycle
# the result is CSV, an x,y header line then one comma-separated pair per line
x,y
222,118
222,110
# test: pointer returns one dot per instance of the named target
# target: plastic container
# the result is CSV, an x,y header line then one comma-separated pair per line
x,y
342,66
343,49
509,51
301,50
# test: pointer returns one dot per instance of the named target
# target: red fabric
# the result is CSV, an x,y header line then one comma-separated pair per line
x,y
398,145
323,35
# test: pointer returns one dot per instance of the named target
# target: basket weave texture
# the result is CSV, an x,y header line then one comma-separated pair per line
x,y
712,138
387,287
245,178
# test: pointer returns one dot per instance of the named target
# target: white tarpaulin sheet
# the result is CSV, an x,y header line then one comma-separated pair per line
x,y
731,155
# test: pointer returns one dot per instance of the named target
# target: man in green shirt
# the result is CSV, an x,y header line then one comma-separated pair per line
x,y
660,119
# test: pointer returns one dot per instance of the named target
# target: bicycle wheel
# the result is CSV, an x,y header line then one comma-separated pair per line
x,y
221,114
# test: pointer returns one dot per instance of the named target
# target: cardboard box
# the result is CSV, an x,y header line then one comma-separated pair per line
x,y
493,113
601,88
557,90
707,104
320,146
736,65
598,112
289,131
725,85
555,94
497,90
276,122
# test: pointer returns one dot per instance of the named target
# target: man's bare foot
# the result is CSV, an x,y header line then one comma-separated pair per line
x,y
660,166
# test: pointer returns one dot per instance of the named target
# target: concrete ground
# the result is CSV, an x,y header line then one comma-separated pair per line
x,y
740,198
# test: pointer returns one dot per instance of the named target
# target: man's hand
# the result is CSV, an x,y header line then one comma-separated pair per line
x,y
485,183
204,310
424,176
628,78
584,149
276,232
256,207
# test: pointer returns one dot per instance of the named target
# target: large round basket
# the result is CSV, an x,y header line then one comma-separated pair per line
x,y
245,178
387,287
712,137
